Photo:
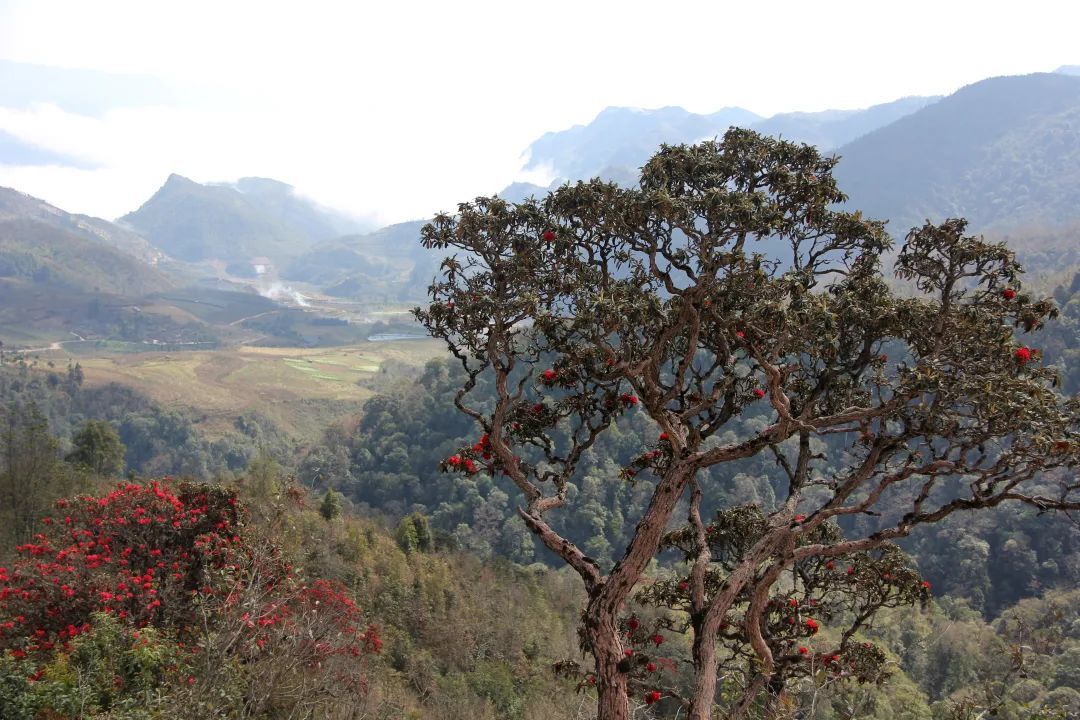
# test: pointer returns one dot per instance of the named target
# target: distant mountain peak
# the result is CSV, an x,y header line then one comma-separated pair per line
x,y
177,181
620,139
235,222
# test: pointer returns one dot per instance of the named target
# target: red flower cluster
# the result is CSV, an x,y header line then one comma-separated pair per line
x,y
1008,293
759,393
456,462
465,461
138,553
652,697
628,400
549,235
1022,355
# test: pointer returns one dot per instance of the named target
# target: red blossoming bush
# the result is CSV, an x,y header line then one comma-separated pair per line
x,y
141,553
180,560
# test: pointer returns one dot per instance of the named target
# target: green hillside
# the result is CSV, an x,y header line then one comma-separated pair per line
x,y
1002,152
256,219
16,205
387,262
49,255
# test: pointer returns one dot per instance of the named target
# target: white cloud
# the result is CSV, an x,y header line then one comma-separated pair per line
x,y
403,108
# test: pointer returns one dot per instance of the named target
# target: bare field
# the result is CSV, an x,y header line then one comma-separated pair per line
x,y
300,389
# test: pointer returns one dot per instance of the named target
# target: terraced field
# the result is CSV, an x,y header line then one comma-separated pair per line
x,y
301,390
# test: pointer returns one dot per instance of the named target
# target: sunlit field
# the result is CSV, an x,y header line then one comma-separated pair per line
x,y
300,389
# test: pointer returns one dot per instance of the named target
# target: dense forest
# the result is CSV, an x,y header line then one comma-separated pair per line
x,y
389,463
438,558
437,552
458,636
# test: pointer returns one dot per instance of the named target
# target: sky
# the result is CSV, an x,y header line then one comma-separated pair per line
x,y
394,110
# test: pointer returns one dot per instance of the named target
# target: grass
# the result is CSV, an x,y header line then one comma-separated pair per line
x,y
301,390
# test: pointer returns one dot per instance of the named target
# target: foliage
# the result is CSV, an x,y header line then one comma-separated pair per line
x,y
31,473
330,508
181,564
98,447
156,440
414,535
726,279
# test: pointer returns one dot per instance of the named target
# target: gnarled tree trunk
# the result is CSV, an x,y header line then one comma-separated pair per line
x,y
613,701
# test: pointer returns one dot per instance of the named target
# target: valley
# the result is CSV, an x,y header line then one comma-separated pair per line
x,y
239,335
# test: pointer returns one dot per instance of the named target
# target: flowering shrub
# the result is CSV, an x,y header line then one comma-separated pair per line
x,y
140,553
109,669
178,563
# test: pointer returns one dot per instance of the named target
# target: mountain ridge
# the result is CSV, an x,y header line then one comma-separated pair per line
x,y
1002,151
624,138
234,222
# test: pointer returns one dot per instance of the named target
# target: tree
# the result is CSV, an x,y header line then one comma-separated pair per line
x,y
413,534
733,301
98,447
330,508
184,562
31,473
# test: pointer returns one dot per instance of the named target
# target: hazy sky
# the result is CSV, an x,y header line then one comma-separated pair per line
x,y
396,109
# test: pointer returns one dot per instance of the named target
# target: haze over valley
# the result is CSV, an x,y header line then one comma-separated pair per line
x,y
297,318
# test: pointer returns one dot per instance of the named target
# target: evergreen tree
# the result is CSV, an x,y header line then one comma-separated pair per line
x,y
728,284
330,508
31,472
98,447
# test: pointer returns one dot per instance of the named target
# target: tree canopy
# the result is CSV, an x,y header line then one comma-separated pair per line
x,y
731,282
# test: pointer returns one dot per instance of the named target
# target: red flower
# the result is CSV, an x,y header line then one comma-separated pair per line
x,y
663,436
628,399
470,466
804,650
812,625
684,586
759,393
658,640
633,623
1022,354
548,375
628,652
549,235
793,602
1008,293
651,667
800,518
652,697
926,584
